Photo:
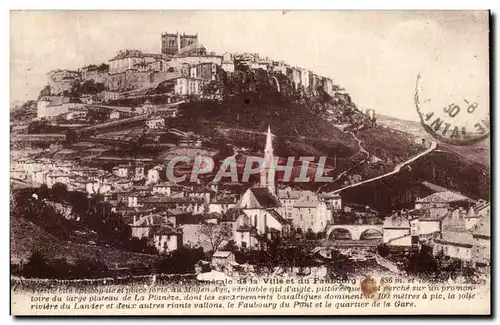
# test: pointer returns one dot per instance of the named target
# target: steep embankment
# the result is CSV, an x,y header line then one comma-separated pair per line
x,y
27,237
241,119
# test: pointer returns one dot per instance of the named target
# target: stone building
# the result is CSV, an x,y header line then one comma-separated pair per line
x,y
133,60
61,81
172,43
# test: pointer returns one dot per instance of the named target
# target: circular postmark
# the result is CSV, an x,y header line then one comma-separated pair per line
x,y
454,109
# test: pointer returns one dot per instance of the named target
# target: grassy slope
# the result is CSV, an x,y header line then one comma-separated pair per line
x,y
27,237
242,121
478,153
300,132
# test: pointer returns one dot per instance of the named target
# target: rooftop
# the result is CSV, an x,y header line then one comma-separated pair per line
x,y
277,216
461,238
133,54
165,230
288,193
429,215
480,205
307,200
222,254
259,198
398,221
444,197
482,227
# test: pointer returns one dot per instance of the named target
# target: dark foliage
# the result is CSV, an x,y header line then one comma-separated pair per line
x,y
142,246
341,268
39,212
44,92
383,250
422,262
40,267
88,87
37,267
181,261
43,126
94,215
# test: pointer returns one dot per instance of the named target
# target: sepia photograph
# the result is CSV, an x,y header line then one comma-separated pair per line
x,y
279,162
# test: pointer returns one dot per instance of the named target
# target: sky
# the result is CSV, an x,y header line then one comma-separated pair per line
x,y
375,56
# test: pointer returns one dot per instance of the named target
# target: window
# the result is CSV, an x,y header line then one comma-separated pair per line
x,y
244,244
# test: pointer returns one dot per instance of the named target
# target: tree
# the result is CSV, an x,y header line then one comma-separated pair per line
x,y
91,87
230,246
103,67
37,266
59,191
44,92
90,268
342,267
422,262
181,261
43,191
383,250
215,235
310,235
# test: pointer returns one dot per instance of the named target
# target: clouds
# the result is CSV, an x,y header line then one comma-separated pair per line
x,y
374,55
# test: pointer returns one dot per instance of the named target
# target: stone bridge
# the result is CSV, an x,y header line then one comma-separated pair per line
x,y
352,232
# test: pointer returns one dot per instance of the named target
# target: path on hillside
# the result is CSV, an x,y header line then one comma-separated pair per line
x,y
264,133
396,170
361,149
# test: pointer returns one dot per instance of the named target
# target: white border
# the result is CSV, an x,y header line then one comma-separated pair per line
x,y
190,4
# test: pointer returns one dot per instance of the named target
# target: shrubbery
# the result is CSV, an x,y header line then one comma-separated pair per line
x,y
181,261
38,266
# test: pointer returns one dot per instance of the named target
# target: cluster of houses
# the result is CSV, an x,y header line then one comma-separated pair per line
x,y
158,209
454,225
168,214
181,69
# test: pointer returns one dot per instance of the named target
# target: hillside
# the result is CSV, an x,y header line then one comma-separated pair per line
x,y
241,120
362,151
478,152
27,237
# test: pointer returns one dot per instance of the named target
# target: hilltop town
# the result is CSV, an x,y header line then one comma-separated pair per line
x,y
89,167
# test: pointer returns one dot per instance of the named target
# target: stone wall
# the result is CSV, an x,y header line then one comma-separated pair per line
x,y
121,82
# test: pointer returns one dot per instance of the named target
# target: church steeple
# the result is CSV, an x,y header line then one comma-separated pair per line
x,y
268,172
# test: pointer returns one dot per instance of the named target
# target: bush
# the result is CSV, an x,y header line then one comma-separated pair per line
x,y
383,250
140,246
422,262
310,235
181,261
37,267
90,269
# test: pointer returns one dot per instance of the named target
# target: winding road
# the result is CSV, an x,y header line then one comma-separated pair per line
x,y
396,170
362,149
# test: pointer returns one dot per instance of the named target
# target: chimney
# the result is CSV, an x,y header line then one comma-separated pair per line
x,y
178,42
